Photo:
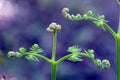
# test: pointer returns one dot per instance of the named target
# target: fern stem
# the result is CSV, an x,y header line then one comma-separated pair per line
x,y
118,56
54,68
54,45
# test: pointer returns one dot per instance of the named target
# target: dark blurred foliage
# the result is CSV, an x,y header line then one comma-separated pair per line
x,y
24,22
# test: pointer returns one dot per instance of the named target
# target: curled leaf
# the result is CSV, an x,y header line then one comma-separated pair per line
x,y
14,55
75,57
99,20
76,53
74,49
105,64
54,27
90,53
98,63
29,55
35,49
90,13
35,46
22,50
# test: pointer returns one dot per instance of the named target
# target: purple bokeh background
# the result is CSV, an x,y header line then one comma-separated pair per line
x,y
24,22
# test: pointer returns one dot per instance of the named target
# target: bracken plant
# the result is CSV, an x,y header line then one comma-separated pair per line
x,y
75,53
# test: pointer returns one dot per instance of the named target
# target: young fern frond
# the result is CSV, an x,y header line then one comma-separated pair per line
x,y
30,55
99,21
77,55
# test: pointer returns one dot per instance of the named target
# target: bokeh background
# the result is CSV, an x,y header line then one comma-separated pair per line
x,y
24,22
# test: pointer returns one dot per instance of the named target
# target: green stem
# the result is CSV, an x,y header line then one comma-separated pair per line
x,y
118,29
106,27
53,62
54,67
54,45
110,30
118,55
118,46
63,58
43,57
69,55
40,56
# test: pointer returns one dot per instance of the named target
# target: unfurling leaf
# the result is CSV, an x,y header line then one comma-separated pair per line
x,y
22,50
29,55
74,49
104,64
35,49
75,58
32,58
14,55
77,54
99,20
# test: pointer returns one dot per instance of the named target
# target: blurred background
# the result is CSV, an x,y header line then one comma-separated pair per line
x,y
24,22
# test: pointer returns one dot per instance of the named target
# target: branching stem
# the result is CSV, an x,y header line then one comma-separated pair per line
x,y
39,56
63,58
106,27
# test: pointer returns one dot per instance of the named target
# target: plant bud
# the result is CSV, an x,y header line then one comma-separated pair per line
x,y
65,11
22,49
12,54
105,64
90,13
54,27
98,63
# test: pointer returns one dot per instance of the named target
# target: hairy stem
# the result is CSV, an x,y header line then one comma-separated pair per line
x,y
54,45
118,56
54,67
